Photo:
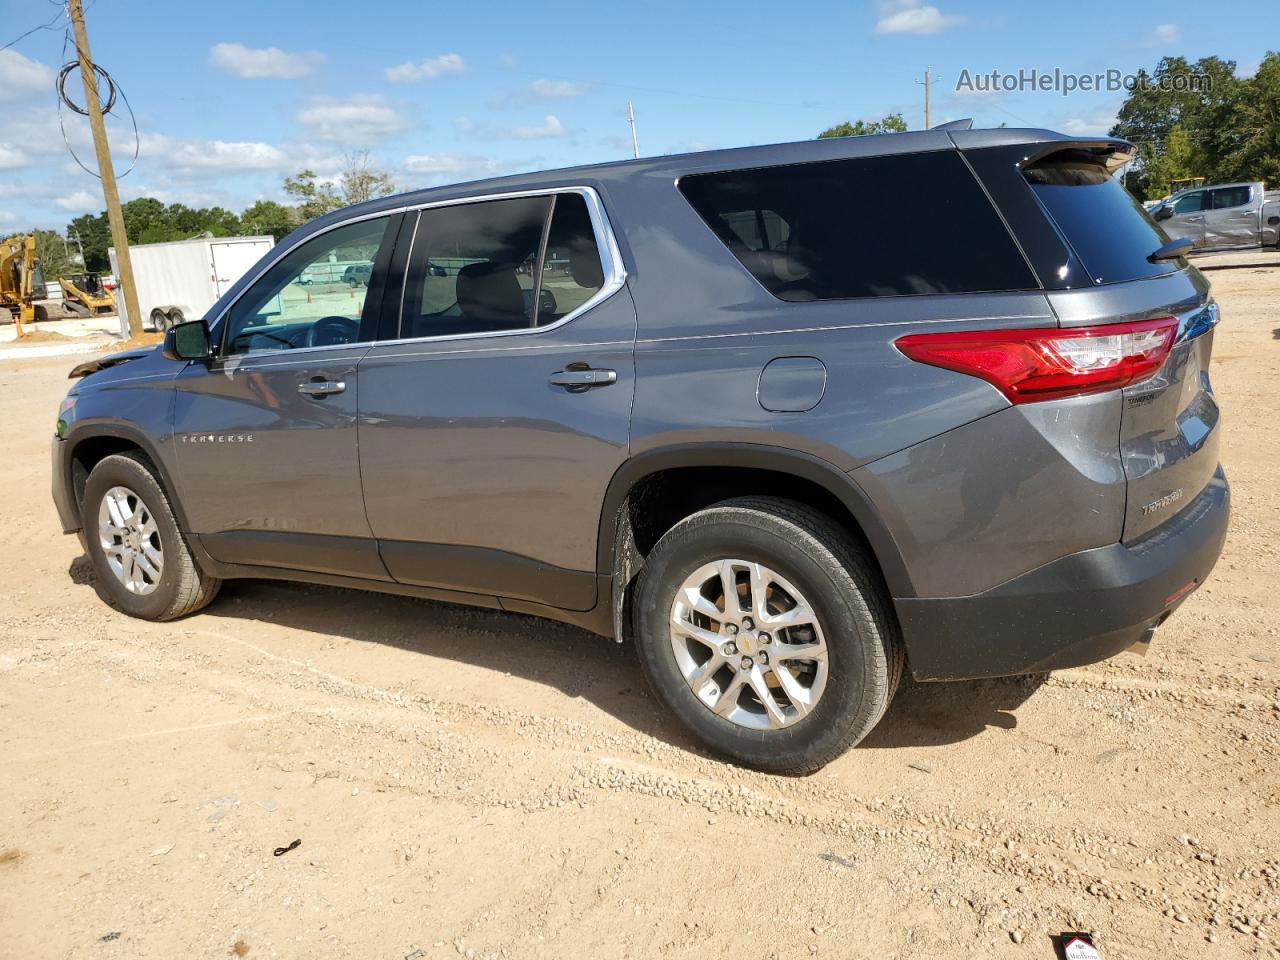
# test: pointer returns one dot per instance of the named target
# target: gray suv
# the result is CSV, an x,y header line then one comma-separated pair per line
x,y
788,417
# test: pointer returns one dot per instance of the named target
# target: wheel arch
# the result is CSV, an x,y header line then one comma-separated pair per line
x,y
93,442
621,546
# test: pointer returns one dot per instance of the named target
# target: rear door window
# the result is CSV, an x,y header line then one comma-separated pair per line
x,y
495,266
1229,197
1108,229
903,225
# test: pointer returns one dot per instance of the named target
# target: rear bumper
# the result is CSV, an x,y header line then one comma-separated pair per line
x,y
1080,609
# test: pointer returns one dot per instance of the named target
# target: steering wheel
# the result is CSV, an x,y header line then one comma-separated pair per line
x,y
330,331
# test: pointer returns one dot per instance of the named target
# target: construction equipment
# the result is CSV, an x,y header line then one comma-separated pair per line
x,y
84,295
21,279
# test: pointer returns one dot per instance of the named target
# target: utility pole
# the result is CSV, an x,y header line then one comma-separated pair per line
x,y
928,119
631,119
105,169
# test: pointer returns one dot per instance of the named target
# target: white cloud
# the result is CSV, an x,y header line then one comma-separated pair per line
x,y
1091,124
452,164
20,76
11,157
241,61
551,127
557,89
1163,35
361,119
427,69
224,157
79,202
913,16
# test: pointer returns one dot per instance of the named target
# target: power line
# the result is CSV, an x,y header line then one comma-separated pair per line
x,y
44,26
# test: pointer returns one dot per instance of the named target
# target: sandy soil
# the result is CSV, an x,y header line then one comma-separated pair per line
x,y
488,785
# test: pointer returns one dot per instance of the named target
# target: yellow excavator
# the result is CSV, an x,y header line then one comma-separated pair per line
x,y
84,295
21,279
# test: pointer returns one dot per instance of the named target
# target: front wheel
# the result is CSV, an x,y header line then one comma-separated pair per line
x,y
765,629
143,563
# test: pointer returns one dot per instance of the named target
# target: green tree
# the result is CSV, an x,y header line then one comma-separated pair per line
x,y
51,248
267,217
314,199
95,236
1196,97
1250,128
893,123
1173,159
144,218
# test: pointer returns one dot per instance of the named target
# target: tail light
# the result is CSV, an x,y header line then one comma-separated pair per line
x,y
1046,364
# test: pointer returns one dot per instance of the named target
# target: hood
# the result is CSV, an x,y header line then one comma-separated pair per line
x,y
106,361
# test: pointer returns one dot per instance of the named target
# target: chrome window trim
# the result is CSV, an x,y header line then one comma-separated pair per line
x,y
615,274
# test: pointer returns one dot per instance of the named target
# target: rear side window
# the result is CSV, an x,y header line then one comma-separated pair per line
x,y
873,227
1108,229
1230,197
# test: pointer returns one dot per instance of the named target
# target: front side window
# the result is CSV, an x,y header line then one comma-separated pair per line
x,y
1230,197
876,227
499,265
1191,203
314,296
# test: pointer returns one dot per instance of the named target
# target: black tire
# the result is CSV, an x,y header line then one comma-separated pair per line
x,y
182,587
42,313
176,316
159,320
840,582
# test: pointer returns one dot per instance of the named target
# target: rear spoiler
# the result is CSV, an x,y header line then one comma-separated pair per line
x,y
1111,151
1113,154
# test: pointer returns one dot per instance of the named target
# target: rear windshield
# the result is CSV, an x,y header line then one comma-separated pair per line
x,y
874,227
1110,232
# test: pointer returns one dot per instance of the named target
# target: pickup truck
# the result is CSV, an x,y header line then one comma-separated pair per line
x,y
1221,217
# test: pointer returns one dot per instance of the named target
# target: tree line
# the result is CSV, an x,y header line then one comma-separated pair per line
x,y
148,220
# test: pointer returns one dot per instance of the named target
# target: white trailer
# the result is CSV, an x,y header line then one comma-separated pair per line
x,y
181,280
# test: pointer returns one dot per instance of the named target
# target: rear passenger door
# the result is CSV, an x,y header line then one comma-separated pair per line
x,y
1230,218
493,420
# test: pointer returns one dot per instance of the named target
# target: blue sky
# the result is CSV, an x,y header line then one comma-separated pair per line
x,y
231,98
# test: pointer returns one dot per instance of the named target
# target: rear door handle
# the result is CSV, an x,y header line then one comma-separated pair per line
x,y
322,388
578,379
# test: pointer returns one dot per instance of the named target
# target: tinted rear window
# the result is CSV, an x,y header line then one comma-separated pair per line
x,y
874,227
1110,232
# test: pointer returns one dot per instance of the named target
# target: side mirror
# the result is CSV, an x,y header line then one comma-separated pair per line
x,y
188,341
1164,213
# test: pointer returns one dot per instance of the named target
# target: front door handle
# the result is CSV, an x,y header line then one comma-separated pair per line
x,y
321,388
578,379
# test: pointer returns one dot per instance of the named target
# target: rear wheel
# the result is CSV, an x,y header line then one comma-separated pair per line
x,y
766,631
159,320
143,564
176,316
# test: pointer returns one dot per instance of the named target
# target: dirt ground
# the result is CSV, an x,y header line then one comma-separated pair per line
x,y
489,785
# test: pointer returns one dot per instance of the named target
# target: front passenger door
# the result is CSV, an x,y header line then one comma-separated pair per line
x,y
266,432
1188,218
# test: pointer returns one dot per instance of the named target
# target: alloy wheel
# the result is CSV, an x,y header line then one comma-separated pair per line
x,y
749,644
130,540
